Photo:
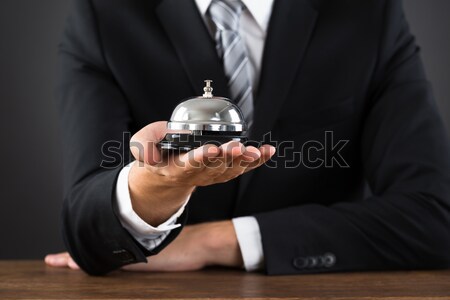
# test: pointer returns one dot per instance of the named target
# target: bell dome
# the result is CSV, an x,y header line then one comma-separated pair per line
x,y
211,114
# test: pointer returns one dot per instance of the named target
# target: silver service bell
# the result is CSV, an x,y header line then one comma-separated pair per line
x,y
208,119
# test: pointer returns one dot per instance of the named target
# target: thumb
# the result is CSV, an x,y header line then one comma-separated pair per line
x,y
143,145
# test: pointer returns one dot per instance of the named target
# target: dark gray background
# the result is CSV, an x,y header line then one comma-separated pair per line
x,y
30,185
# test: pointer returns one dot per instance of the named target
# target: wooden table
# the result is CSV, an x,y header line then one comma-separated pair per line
x,y
33,280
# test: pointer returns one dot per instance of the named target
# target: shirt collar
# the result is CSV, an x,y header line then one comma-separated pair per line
x,y
260,10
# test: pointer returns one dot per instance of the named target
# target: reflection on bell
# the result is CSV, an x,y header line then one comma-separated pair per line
x,y
209,119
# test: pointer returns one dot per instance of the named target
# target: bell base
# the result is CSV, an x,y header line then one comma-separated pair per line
x,y
188,142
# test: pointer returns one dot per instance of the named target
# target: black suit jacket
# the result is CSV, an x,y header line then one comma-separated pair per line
x,y
361,178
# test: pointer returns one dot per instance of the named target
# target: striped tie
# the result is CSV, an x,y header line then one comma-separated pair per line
x,y
231,49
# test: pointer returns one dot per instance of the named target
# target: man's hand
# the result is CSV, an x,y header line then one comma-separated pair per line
x,y
196,247
61,260
159,185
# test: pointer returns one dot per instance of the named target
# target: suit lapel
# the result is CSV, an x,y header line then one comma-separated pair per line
x,y
193,44
290,29
288,36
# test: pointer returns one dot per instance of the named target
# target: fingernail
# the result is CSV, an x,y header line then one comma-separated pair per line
x,y
250,151
213,150
242,147
272,150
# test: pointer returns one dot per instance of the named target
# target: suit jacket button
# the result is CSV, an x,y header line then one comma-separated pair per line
x,y
300,263
313,262
125,256
329,260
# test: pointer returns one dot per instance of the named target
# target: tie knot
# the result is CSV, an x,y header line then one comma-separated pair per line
x,y
226,14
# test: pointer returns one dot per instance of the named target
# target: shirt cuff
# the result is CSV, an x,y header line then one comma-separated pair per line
x,y
250,243
148,236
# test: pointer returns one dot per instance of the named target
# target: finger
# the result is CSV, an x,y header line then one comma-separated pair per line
x,y
199,157
267,152
239,165
251,155
183,169
72,264
59,260
233,148
190,163
222,163
228,152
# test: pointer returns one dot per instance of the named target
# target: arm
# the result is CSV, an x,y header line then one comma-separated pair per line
x,y
405,150
95,115
92,232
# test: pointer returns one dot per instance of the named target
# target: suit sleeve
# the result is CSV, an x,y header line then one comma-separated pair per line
x,y
405,223
95,119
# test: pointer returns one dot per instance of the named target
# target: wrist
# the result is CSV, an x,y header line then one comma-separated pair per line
x,y
153,200
221,244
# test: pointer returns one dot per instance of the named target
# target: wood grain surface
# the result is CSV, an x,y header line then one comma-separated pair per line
x,y
33,280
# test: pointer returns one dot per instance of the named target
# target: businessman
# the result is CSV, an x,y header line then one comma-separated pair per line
x,y
361,175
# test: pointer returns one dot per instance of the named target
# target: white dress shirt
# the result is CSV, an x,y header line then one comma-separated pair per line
x,y
253,29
